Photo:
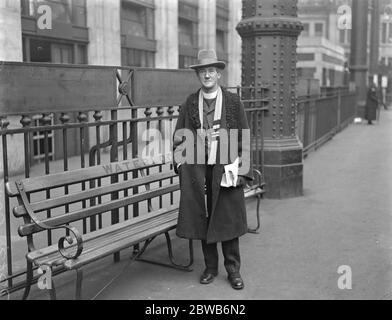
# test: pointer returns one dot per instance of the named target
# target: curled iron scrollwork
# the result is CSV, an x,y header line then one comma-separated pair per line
x,y
44,226
70,241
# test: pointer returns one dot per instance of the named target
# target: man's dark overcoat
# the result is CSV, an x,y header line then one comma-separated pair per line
x,y
228,216
371,104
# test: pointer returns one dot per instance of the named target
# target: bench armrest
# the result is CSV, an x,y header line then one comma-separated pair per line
x,y
23,199
259,181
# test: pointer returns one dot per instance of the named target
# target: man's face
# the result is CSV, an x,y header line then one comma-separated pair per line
x,y
208,78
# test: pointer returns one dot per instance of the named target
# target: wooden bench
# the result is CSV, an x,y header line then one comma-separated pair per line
x,y
92,186
255,190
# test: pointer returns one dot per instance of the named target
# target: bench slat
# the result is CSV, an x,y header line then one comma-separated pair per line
x,y
120,245
93,244
63,219
113,233
43,205
79,175
253,192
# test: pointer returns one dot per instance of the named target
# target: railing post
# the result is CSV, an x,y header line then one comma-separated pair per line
x,y
97,117
159,113
113,137
339,111
170,112
147,113
135,154
46,121
3,126
82,118
64,119
307,127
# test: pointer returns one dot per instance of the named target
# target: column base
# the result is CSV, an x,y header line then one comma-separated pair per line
x,y
283,168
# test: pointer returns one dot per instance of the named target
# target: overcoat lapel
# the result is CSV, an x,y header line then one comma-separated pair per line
x,y
219,169
195,120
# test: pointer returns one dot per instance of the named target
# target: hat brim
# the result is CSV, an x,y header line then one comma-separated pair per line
x,y
219,64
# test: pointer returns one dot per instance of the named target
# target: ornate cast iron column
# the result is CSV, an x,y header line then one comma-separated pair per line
x,y
269,31
358,53
374,37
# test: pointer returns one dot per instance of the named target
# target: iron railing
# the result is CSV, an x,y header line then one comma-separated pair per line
x,y
71,139
91,137
319,118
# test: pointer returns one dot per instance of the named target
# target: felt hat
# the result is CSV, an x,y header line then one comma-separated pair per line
x,y
208,58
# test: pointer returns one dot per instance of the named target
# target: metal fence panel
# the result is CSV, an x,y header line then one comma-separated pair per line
x,y
35,87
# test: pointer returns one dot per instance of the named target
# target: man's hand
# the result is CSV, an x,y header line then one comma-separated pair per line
x,y
177,168
241,181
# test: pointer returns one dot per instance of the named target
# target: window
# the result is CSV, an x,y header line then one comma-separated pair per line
x,y
342,36
306,73
38,50
62,53
134,20
185,30
318,29
389,40
79,17
81,57
345,36
61,10
186,61
384,32
137,35
222,26
305,32
187,33
221,41
66,11
137,58
25,9
305,56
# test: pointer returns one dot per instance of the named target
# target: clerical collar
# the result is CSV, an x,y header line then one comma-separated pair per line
x,y
211,95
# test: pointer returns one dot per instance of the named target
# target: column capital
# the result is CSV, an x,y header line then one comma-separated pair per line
x,y
269,26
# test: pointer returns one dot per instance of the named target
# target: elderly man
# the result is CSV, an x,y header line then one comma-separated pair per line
x,y
212,205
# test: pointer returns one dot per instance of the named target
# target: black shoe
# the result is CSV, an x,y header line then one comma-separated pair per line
x,y
207,277
236,281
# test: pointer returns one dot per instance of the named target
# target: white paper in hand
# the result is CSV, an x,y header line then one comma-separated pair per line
x,y
230,176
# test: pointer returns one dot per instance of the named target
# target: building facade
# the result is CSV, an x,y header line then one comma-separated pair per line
x,y
324,45
164,34
385,49
140,33
320,53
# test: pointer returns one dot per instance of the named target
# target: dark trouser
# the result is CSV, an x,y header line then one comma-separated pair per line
x,y
230,248
231,254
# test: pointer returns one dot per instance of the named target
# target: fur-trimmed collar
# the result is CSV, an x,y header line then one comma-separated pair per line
x,y
230,101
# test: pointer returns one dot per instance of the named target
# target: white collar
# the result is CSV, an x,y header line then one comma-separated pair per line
x,y
211,95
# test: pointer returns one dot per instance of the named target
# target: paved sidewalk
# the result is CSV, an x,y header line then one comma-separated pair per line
x,y
344,218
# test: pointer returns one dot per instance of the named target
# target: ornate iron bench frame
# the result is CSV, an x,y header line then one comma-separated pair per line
x,y
74,252
255,190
